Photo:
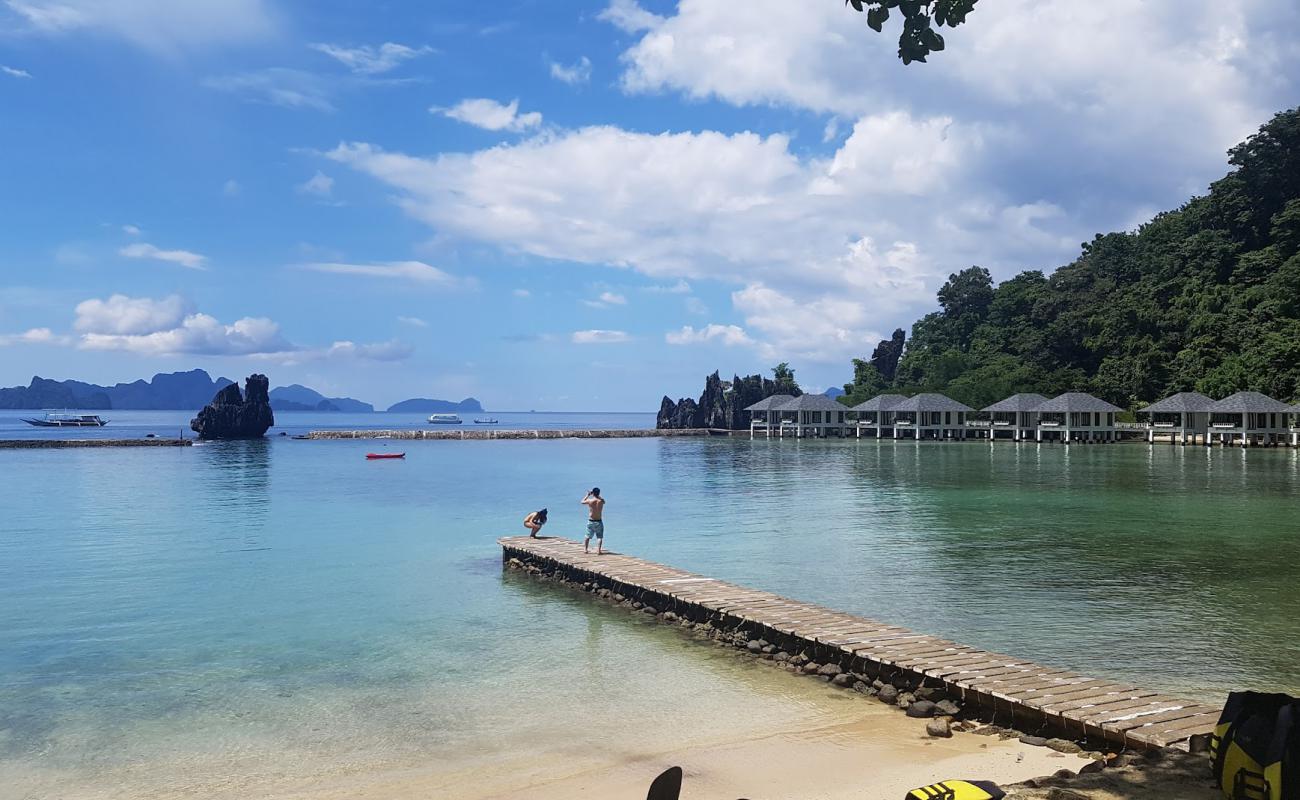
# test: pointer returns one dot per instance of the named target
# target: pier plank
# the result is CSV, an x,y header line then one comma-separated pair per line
x,y
1111,709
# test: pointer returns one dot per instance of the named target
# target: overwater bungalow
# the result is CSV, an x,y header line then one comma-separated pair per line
x,y
1181,417
930,416
763,416
1076,417
1251,418
876,415
1295,425
812,415
1017,416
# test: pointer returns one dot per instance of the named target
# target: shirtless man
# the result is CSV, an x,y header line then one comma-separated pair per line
x,y
595,523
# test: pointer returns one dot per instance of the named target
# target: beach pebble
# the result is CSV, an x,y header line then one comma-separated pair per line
x,y
1064,746
947,708
921,709
843,679
932,693
888,694
938,728
769,649
987,730
905,699
902,682
1091,767
862,687
1058,793
1033,741
830,670
783,656
754,646
670,616
811,668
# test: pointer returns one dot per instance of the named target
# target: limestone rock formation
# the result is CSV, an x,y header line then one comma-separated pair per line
x,y
722,404
231,415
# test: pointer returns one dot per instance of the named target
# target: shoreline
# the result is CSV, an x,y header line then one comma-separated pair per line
x,y
39,444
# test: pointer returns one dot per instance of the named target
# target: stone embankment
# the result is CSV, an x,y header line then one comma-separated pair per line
x,y
493,433
1104,770
38,444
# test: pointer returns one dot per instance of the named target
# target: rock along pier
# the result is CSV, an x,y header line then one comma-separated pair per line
x,y
494,433
897,665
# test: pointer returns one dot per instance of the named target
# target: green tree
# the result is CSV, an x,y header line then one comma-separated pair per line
x,y
919,37
783,378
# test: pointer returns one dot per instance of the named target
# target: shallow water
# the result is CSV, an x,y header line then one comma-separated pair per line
x,y
232,617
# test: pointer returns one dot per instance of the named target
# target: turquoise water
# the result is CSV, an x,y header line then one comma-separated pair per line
x,y
233,615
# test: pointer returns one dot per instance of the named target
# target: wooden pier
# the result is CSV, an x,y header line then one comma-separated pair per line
x,y
1035,697
501,433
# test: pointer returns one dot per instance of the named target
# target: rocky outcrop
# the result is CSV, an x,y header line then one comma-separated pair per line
x,y
231,415
886,355
721,406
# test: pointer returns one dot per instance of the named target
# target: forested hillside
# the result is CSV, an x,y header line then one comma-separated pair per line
x,y
1203,298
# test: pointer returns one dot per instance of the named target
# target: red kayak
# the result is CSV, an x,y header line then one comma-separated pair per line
x,y
373,456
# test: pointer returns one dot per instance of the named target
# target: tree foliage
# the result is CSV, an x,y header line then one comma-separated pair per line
x,y
1204,298
921,18
783,378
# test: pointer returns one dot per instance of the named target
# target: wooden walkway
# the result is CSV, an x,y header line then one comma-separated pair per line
x,y
1056,699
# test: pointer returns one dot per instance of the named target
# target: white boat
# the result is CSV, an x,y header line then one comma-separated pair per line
x,y
64,420
444,419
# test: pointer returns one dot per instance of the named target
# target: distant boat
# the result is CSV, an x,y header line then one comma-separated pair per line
x,y
444,419
68,421
491,421
378,456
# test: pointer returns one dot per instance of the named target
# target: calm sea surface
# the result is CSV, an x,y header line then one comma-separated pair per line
x,y
219,619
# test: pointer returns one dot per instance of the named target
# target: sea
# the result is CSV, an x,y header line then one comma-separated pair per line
x,y
259,619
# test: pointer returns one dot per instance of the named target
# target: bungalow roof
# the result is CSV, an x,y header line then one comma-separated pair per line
x,y
881,402
1249,403
1076,402
1183,402
1025,401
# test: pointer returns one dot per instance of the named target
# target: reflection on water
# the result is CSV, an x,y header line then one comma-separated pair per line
x,y
282,607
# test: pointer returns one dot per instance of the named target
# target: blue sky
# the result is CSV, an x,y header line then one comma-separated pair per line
x,y
572,205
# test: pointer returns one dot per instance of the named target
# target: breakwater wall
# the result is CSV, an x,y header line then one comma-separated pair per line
x,y
924,675
38,444
492,433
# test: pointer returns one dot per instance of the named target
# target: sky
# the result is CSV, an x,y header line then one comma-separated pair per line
x,y
573,205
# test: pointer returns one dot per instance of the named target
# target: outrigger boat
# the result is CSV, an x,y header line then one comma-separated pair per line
x,y
68,421
378,456
486,421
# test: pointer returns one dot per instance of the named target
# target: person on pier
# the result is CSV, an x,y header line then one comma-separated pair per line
x,y
595,521
534,522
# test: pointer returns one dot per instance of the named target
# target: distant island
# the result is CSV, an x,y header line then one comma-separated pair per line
x,y
164,392
425,406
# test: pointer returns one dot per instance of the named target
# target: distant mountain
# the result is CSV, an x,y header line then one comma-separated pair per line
x,y
834,392
187,391
177,390
425,406
297,397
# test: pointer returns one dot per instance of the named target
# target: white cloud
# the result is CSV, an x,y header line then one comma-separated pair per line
x,y
695,305
600,337
630,17
371,60
163,26
15,72
572,74
276,86
680,287
32,336
414,322
131,230
320,185
606,300
384,351
491,115
231,188
124,315
182,257
414,271
522,293
729,335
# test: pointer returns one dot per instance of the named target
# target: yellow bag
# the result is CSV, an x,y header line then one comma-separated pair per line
x,y
957,790
1256,747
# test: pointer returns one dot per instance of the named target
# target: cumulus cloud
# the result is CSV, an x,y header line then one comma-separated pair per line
x,y
630,17
491,115
607,299
162,26
680,287
131,230
414,271
414,322
572,74
184,258
600,337
371,60
15,72
729,335
32,336
170,326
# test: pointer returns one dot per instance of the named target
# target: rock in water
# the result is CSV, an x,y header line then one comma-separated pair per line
x,y
231,415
